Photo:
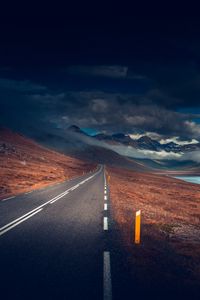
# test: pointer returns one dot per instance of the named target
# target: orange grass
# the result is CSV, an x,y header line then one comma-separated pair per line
x,y
25,165
170,220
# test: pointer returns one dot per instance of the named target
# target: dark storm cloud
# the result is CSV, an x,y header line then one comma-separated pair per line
x,y
18,109
119,112
20,85
173,84
152,109
112,71
27,104
136,73
176,84
115,112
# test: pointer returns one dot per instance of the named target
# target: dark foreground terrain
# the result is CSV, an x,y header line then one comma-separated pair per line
x,y
75,239
166,264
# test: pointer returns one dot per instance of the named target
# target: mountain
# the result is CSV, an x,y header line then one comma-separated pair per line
x,y
114,138
78,144
76,129
145,143
101,155
102,137
26,165
106,149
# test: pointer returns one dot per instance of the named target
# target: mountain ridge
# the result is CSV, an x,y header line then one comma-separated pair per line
x,y
142,143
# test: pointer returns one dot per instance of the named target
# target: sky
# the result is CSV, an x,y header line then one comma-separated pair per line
x,y
104,68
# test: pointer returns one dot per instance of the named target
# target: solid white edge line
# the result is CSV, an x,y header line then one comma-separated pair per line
x,y
28,192
105,206
32,212
8,198
105,223
12,226
59,198
22,217
74,187
107,281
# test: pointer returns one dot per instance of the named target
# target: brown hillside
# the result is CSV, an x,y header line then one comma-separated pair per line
x,y
168,255
25,165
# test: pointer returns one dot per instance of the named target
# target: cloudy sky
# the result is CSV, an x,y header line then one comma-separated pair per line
x,y
113,69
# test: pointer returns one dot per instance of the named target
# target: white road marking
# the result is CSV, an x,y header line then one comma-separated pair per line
x,y
105,223
74,187
107,282
105,198
105,192
19,220
105,206
8,198
28,192
57,198
17,223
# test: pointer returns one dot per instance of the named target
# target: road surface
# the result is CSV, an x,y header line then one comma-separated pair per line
x,y
61,242
55,244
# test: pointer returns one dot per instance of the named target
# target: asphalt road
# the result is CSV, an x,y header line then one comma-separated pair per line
x,y
61,243
54,242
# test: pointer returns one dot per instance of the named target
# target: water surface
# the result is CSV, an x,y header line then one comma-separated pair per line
x,y
192,179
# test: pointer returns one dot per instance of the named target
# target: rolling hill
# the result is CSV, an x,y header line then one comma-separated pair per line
x,y
26,165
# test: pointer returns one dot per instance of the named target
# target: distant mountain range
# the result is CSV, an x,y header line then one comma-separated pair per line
x,y
101,149
143,143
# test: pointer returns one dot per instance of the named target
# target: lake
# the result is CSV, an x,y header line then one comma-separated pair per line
x,y
192,179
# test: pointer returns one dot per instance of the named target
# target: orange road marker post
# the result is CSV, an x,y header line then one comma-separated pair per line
x,y
137,226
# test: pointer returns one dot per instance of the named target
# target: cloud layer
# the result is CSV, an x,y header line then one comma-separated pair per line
x,y
116,98
112,71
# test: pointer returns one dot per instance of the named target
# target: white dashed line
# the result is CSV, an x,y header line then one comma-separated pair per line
x,y
105,206
17,223
105,198
105,223
8,198
107,282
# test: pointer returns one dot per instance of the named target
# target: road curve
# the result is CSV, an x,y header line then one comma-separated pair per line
x,y
53,242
